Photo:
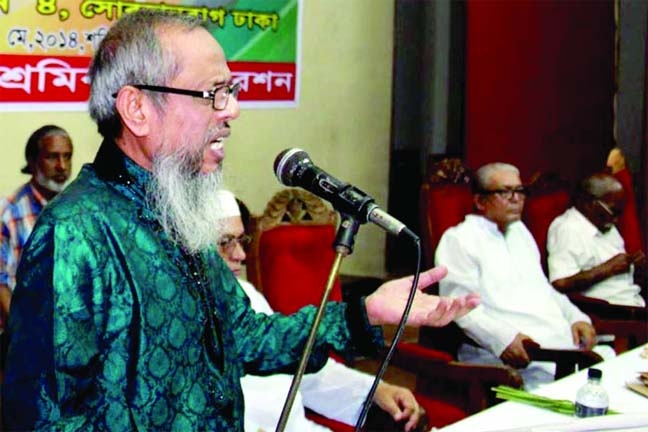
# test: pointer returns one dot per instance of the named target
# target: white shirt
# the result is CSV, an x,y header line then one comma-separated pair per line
x,y
336,391
574,244
516,296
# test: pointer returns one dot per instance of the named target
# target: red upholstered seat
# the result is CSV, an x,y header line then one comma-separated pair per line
x,y
442,206
291,253
445,199
295,262
440,414
540,209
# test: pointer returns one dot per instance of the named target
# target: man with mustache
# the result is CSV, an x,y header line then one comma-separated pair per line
x,y
49,161
124,315
586,252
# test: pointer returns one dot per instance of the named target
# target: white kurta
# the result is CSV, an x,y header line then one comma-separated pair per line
x,y
516,296
336,391
574,244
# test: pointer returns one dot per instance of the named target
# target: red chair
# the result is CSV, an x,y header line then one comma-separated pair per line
x,y
445,199
442,206
277,265
549,196
290,259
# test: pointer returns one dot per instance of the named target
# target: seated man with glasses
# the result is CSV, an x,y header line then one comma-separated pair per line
x,y
585,250
493,253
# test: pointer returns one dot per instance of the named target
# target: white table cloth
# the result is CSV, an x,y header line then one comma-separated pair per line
x,y
518,417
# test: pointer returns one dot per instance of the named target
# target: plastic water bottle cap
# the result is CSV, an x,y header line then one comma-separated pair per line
x,y
594,373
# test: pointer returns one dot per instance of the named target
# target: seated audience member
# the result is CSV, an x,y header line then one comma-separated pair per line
x,y
493,253
586,251
336,391
48,154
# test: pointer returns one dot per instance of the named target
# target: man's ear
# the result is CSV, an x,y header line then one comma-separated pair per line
x,y
134,109
33,165
478,201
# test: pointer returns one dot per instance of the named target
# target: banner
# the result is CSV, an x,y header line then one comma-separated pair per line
x,y
46,47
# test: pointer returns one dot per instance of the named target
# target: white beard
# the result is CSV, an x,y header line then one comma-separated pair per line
x,y
48,183
186,202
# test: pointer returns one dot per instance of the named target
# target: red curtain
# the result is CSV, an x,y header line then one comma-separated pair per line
x,y
540,84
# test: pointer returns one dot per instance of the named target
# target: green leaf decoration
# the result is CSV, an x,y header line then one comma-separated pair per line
x,y
562,406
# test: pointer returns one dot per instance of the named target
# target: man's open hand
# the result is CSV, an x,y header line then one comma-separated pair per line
x,y
387,303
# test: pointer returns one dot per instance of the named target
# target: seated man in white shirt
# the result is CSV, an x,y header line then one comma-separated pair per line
x,y
493,253
586,253
336,391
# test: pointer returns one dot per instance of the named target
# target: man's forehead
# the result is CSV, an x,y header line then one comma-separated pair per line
x,y
505,178
231,225
56,141
199,53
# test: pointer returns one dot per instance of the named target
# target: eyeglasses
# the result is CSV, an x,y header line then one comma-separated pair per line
x,y
219,95
507,194
228,242
611,212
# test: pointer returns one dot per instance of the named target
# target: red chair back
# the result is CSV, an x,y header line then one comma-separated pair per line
x,y
540,209
295,261
445,199
442,206
291,254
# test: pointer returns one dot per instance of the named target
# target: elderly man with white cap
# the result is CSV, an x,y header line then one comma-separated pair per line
x,y
336,391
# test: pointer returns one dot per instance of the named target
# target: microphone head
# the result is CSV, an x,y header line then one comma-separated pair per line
x,y
287,162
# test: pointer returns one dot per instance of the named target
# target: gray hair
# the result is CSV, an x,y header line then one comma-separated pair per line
x,y
598,185
484,175
33,143
132,53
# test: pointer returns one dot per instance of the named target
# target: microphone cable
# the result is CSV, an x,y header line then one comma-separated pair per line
x,y
399,332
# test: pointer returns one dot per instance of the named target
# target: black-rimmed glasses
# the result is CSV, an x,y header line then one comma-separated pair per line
x,y
507,194
611,212
219,95
228,242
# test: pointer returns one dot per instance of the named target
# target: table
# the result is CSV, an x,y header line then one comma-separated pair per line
x,y
517,417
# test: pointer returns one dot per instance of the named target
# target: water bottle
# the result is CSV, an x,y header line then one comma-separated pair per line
x,y
592,398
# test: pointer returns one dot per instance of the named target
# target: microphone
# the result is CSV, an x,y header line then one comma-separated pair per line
x,y
293,167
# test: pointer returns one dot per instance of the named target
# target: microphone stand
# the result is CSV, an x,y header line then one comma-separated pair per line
x,y
343,246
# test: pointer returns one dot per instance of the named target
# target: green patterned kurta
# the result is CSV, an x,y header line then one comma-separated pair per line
x,y
113,327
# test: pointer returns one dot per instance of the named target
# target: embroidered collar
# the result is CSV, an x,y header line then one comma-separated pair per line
x,y
112,165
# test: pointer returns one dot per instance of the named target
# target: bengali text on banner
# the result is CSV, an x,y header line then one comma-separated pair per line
x,y
46,47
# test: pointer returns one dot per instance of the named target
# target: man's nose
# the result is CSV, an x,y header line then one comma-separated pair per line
x,y
239,252
231,111
62,163
517,196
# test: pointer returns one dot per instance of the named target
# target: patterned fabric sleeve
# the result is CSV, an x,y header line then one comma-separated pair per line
x,y
271,344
